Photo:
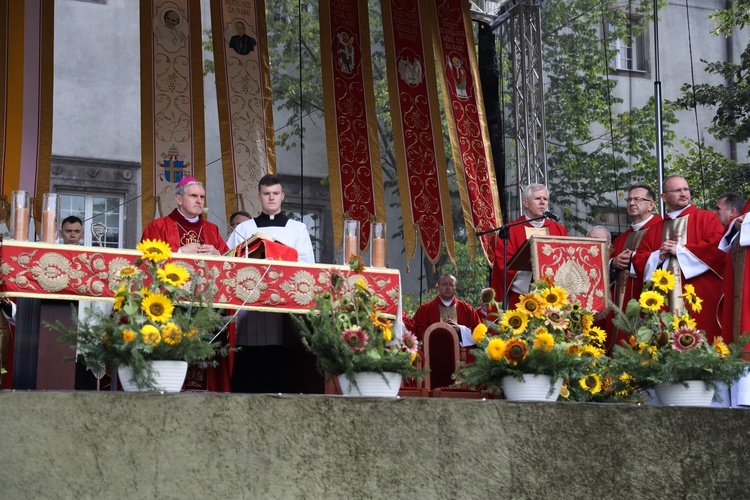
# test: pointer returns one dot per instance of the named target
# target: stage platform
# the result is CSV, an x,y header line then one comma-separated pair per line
x,y
230,446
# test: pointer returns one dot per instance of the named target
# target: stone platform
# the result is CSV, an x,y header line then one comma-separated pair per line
x,y
227,446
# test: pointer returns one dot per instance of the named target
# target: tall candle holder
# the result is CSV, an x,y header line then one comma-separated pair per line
x,y
351,239
378,244
50,217
20,204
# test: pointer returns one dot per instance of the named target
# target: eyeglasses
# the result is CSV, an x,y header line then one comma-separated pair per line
x,y
681,190
637,199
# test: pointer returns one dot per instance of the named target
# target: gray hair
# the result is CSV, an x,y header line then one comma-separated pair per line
x,y
180,190
531,188
609,235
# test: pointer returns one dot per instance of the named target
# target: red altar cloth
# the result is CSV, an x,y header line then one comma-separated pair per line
x,y
68,272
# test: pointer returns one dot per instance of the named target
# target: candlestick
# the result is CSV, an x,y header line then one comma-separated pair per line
x,y
378,244
351,239
49,226
19,217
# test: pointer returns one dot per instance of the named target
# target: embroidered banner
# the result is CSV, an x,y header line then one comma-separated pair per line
x,y
356,179
172,132
69,272
26,100
243,92
579,265
417,132
467,122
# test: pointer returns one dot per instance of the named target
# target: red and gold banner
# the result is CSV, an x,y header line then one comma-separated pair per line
x,y
243,92
467,122
579,265
417,132
70,272
27,57
172,132
351,123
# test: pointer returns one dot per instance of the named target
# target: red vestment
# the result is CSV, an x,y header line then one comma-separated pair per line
x,y
704,231
177,231
517,237
736,313
429,313
173,227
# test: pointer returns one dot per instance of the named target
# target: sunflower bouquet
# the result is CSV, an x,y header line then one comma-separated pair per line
x,y
347,332
161,312
666,347
545,334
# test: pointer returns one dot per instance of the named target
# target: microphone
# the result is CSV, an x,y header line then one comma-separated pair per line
x,y
551,215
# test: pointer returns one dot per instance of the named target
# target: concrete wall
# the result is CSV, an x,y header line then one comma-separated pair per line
x,y
115,445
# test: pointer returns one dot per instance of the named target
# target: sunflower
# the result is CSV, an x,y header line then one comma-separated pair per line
x,y
696,304
592,351
128,272
496,349
531,304
173,274
171,334
128,335
663,280
157,307
683,320
516,320
120,295
555,318
685,339
516,351
554,297
387,334
150,335
689,292
596,336
409,342
543,340
154,250
591,383
587,321
564,391
720,347
361,284
651,301
479,333
355,338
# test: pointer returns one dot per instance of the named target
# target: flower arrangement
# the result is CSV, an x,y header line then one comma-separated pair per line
x,y
159,314
545,334
347,332
667,348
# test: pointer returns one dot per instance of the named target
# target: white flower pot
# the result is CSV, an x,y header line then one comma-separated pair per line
x,y
743,390
533,388
696,394
169,376
371,385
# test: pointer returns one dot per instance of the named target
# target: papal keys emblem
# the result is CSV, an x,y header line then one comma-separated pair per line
x,y
174,166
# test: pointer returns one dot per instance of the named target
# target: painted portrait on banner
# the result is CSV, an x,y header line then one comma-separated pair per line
x,y
170,27
240,42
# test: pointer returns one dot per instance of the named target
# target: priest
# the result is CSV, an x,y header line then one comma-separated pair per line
x,y
736,241
686,243
535,205
184,229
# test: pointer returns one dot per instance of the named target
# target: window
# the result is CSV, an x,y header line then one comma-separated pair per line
x,y
629,51
311,220
102,217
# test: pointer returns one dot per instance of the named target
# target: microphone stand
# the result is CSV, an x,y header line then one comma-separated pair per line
x,y
504,233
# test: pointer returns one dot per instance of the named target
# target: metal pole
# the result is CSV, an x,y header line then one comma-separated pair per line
x,y
658,105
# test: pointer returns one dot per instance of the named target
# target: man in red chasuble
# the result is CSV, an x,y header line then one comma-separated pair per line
x,y
448,309
641,201
535,204
184,229
736,241
686,243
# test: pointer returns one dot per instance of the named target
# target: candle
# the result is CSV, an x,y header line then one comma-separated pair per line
x,y
49,226
21,224
350,247
378,252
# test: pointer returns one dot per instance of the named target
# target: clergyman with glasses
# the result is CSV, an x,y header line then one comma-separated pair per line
x,y
686,243
641,201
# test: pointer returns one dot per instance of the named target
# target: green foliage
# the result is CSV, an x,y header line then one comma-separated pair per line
x,y
159,314
593,154
347,333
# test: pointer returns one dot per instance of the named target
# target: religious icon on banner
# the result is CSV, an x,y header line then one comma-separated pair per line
x,y
239,41
174,166
170,27
458,72
410,70
345,52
